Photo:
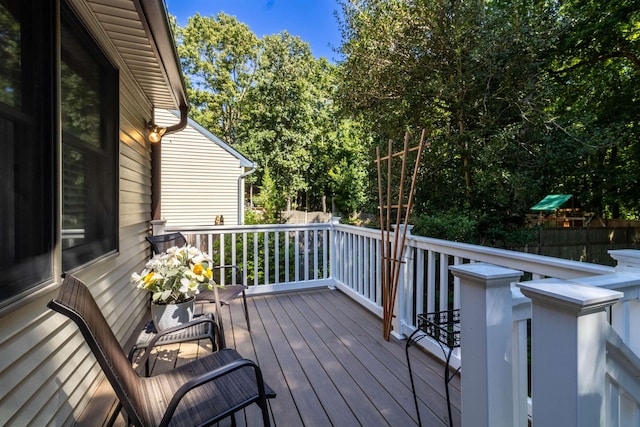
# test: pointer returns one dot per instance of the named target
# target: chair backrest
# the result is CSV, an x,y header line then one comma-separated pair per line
x,y
161,242
76,302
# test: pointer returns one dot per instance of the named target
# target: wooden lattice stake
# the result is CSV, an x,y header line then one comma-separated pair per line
x,y
392,254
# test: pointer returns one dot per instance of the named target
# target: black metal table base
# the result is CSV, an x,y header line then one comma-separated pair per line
x,y
442,327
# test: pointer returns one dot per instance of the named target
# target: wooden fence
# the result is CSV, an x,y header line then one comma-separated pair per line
x,y
582,244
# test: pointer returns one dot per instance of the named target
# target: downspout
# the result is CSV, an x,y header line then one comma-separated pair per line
x,y
184,110
156,165
254,166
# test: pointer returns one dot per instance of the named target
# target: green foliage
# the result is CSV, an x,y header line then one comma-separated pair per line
x,y
218,55
450,225
521,99
274,102
271,200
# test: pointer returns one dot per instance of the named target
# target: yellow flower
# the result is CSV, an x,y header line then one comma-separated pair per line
x,y
198,269
148,279
208,273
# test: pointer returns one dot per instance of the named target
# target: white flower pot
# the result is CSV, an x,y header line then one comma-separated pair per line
x,y
167,316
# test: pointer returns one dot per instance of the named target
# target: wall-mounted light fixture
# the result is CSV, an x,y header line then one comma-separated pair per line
x,y
155,132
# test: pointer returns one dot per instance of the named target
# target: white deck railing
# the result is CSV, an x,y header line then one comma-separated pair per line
x,y
274,258
289,257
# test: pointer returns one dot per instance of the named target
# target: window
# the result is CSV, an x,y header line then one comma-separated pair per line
x,y
27,143
30,211
89,109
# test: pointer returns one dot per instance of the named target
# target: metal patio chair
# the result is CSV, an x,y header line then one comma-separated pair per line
x,y
161,242
201,392
201,327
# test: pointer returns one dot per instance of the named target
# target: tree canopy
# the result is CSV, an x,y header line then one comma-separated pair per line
x,y
274,102
520,99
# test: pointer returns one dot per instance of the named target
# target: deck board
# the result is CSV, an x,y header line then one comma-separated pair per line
x,y
325,357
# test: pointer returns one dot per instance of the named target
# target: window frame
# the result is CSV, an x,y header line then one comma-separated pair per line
x,y
30,230
96,245
28,271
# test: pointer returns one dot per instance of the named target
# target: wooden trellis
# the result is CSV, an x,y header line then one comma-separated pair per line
x,y
392,251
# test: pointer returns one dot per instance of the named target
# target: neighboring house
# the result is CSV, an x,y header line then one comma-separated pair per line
x,y
202,177
79,81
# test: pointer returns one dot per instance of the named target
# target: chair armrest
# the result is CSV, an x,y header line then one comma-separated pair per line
x,y
210,376
235,267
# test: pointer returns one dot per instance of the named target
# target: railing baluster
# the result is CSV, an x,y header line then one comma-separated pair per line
x,y
266,257
419,285
365,268
360,265
315,254
352,254
296,251
244,259
456,285
431,282
276,248
256,259
325,238
378,272
286,256
306,254
222,261
444,282
234,279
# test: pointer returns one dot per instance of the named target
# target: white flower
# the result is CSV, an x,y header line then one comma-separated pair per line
x,y
176,275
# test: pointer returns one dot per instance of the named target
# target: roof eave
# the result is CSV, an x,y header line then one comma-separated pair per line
x,y
161,36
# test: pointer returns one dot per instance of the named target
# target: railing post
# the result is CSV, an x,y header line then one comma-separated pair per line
x,y
628,260
625,314
485,338
158,226
568,352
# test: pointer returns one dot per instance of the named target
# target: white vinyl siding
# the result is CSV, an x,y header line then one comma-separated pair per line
x,y
199,177
47,372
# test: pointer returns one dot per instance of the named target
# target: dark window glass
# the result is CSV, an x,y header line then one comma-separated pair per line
x,y
27,144
11,53
89,107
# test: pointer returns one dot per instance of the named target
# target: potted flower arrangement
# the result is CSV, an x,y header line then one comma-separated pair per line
x,y
174,278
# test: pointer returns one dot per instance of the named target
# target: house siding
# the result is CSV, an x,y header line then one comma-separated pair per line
x,y
61,373
199,178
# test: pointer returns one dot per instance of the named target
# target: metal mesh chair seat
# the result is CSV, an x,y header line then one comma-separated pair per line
x,y
197,393
202,327
233,391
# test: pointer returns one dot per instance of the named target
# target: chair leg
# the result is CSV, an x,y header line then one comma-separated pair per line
x,y
222,339
114,416
246,310
265,405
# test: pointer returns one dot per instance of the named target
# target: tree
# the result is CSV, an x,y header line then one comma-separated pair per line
x,y
467,71
340,150
278,126
218,56
596,79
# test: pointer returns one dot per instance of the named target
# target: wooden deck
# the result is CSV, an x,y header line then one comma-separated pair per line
x,y
325,357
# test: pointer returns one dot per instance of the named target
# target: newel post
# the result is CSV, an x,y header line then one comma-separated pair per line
x,y
158,226
568,352
486,323
625,315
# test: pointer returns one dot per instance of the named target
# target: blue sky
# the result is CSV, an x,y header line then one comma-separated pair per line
x,y
313,21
